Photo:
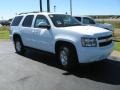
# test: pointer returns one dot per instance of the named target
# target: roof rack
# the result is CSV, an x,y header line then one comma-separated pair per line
x,y
31,12
28,12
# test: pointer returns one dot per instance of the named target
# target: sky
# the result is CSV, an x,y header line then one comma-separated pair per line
x,y
9,8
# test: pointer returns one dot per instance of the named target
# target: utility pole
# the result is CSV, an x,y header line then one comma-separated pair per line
x,y
2,17
54,8
40,5
48,5
70,7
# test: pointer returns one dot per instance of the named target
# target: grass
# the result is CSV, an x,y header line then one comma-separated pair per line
x,y
115,23
117,46
116,26
117,34
4,33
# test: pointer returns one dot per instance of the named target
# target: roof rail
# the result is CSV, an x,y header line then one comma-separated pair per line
x,y
28,12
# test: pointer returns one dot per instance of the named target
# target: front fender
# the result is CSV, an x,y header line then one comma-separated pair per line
x,y
66,38
70,39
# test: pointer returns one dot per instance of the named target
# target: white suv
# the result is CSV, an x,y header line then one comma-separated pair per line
x,y
63,36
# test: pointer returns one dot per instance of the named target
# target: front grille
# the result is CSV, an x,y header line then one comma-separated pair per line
x,y
105,40
105,43
105,37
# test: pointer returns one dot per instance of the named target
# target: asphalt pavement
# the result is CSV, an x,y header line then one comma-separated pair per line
x,y
40,71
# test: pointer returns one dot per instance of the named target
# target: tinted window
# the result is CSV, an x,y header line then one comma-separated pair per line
x,y
41,21
16,21
28,21
78,18
88,21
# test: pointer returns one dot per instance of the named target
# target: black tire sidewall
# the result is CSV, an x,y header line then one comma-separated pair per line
x,y
71,63
22,47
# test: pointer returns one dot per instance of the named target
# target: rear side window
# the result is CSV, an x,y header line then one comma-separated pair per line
x,y
28,21
88,21
17,21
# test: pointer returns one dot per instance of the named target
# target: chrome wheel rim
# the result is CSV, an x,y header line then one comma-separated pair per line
x,y
18,46
64,56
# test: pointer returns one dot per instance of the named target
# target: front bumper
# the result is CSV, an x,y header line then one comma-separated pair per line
x,y
93,54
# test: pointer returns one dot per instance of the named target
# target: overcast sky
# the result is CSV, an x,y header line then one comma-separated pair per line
x,y
9,8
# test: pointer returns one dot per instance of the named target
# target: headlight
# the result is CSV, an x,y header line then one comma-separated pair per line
x,y
88,42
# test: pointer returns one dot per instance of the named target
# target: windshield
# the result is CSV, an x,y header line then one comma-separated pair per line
x,y
60,20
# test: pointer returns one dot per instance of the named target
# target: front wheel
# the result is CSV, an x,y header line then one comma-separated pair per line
x,y
68,57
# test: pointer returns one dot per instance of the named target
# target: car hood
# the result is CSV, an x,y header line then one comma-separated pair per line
x,y
87,30
105,25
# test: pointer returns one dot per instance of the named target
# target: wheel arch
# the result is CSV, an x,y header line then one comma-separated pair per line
x,y
16,36
62,42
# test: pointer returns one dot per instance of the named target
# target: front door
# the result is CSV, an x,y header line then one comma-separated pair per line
x,y
43,36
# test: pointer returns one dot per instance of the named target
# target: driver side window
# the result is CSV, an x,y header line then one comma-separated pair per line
x,y
41,21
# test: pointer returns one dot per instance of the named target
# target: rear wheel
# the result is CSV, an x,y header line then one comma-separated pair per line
x,y
68,57
19,46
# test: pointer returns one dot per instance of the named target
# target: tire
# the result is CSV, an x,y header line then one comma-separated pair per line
x,y
19,47
68,57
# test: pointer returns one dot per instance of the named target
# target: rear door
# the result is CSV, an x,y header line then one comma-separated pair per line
x,y
26,31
